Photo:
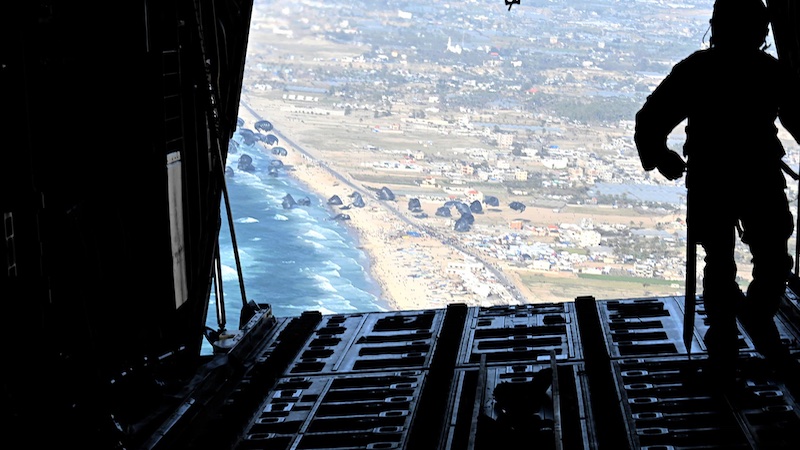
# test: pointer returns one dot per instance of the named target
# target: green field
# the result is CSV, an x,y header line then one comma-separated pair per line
x,y
600,286
622,279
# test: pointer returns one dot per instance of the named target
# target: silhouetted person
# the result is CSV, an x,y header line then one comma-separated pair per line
x,y
731,95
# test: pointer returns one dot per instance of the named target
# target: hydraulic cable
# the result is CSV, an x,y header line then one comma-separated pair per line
x,y
214,119
218,291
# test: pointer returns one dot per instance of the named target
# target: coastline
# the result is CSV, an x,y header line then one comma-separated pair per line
x,y
304,176
421,264
397,261
409,270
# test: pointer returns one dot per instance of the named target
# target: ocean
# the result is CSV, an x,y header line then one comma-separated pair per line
x,y
295,259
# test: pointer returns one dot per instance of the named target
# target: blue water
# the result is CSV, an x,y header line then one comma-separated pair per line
x,y
295,259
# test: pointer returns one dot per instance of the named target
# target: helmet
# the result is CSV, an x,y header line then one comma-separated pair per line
x,y
739,23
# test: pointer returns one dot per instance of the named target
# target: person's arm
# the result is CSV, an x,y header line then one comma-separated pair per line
x,y
661,113
789,110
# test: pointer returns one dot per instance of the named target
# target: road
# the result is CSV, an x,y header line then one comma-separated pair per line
x,y
448,240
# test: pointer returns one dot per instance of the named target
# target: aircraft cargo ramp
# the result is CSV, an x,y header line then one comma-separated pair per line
x,y
588,374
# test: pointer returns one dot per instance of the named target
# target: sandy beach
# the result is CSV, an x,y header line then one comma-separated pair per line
x,y
410,267
421,263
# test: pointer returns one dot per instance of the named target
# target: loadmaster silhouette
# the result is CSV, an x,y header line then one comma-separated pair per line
x,y
730,95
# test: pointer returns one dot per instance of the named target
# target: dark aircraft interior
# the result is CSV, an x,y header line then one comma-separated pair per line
x,y
117,119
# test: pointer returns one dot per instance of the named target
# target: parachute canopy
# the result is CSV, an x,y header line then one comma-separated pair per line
x,y
288,201
476,207
462,224
263,125
248,136
385,194
246,163
517,206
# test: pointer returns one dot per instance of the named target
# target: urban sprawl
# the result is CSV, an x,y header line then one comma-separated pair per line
x,y
464,101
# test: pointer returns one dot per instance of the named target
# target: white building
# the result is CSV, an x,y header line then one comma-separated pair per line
x,y
504,140
540,264
643,270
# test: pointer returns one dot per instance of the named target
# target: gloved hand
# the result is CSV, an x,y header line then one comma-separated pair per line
x,y
671,165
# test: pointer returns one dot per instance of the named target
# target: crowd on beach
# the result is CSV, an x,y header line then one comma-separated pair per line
x,y
415,270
